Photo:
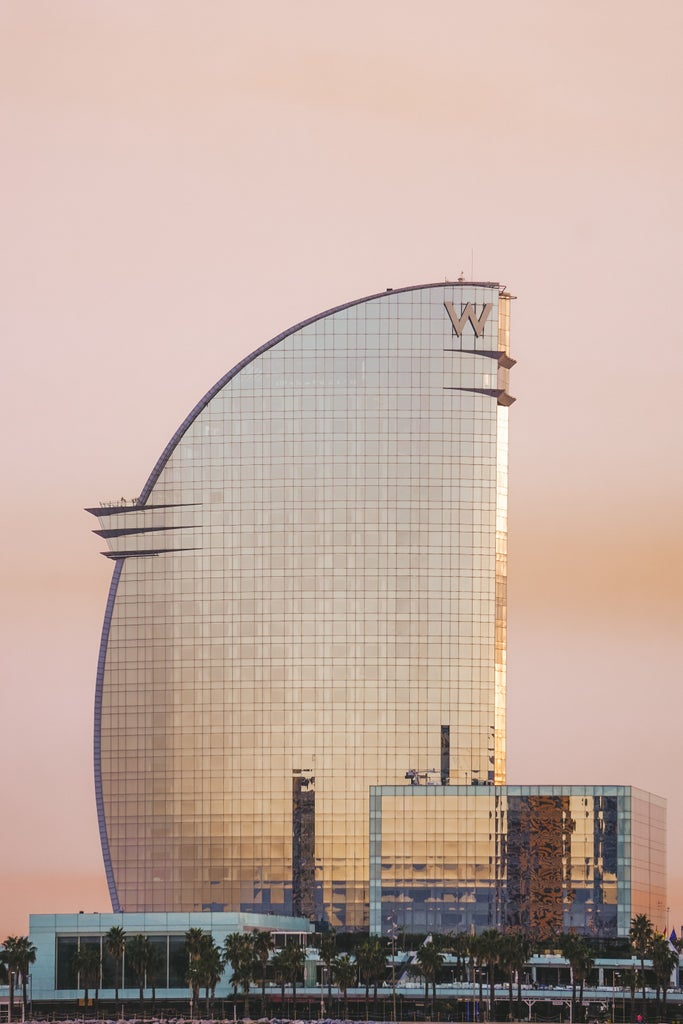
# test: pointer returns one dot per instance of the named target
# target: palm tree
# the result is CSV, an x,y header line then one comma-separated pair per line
x,y
568,948
459,947
27,956
281,973
138,958
211,964
19,954
632,979
517,950
195,944
87,962
582,966
380,951
115,944
474,946
664,959
364,968
240,953
328,951
490,950
429,960
295,958
508,968
194,978
344,972
371,960
641,934
9,971
10,968
263,945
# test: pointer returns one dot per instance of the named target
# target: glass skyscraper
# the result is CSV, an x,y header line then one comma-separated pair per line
x,y
308,599
300,702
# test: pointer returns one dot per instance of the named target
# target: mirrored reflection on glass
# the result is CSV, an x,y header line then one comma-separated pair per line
x,y
538,859
315,590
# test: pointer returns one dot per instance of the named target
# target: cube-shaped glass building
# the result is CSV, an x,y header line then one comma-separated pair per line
x,y
541,860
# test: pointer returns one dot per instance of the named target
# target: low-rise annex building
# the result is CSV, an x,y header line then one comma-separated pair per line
x,y
58,936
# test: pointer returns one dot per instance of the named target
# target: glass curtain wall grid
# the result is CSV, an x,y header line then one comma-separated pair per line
x,y
309,598
538,859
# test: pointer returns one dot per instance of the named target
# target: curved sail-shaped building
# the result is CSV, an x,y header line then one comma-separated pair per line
x,y
308,599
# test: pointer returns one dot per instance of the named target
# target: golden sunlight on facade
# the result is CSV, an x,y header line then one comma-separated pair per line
x,y
309,599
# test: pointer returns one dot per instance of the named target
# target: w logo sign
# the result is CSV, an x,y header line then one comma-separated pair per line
x,y
468,314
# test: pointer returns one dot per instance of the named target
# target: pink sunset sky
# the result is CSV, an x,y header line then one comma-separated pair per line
x,y
184,180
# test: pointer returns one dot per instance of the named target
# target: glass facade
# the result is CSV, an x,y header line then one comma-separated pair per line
x,y
308,599
170,969
540,859
57,937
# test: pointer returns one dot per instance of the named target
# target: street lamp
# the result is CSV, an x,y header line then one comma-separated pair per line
x,y
392,934
474,993
475,979
10,1005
